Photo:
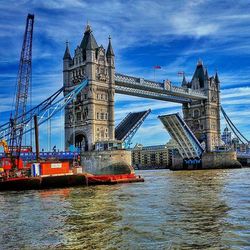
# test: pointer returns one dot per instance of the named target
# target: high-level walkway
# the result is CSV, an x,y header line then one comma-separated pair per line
x,y
165,91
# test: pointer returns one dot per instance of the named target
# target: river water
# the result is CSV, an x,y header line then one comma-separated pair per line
x,y
170,210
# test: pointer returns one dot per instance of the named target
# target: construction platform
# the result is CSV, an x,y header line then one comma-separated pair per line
x,y
67,180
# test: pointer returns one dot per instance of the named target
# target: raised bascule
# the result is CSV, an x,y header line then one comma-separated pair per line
x,y
90,122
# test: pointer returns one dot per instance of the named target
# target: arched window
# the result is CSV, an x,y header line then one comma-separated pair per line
x,y
196,113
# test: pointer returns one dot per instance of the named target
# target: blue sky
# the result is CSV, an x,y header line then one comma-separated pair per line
x,y
172,34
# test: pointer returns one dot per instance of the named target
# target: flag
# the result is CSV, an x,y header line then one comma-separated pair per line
x,y
157,67
181,73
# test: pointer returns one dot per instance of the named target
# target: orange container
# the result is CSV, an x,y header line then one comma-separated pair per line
x,y
6,163
50,168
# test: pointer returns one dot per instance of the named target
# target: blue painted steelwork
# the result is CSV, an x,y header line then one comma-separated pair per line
x,y
4,128
45,110
47,155
192,161
195,143
132,119
187,144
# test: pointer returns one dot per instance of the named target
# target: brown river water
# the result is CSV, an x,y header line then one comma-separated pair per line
x,y
170,210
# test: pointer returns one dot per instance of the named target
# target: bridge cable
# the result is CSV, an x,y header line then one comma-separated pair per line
x,y
233,127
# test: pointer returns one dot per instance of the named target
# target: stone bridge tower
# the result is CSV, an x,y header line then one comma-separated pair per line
x,y
90,117
203,117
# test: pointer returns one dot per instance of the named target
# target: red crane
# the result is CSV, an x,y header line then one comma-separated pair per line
x,y
21,95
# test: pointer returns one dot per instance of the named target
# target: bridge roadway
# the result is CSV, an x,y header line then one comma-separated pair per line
x,y
141,87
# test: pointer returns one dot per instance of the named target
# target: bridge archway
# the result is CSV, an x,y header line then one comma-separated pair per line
x,y
81,142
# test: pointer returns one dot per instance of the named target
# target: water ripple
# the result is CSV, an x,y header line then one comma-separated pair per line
x,y
170,210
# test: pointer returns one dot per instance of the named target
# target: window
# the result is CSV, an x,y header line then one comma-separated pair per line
x,y
97,116
213,126
152,158
196,113
102,116
101,58
106,116
78,116
78,97
85,96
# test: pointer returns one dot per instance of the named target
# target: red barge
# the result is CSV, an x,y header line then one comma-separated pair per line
x,y
46,175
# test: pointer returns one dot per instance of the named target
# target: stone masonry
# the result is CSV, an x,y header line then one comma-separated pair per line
x,y
203,117
90,118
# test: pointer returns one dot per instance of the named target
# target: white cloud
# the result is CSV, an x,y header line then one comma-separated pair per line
x,y
132,25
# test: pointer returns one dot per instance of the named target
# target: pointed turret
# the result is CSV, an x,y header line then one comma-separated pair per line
x,y
184,81
216,78
110,51
67,60
206,74
200,74
88,42
67,52
91,45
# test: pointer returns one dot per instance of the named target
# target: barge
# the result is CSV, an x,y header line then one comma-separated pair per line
x,y
62,181
46,175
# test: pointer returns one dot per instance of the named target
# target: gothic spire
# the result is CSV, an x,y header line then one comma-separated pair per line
x,y
200,74
67,52
217,80
88,39
206,74
184,81
110,51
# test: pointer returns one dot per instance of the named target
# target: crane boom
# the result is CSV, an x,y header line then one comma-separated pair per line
x,y
5,146
22,88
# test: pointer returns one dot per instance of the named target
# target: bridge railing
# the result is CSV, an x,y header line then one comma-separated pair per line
x,y
66,155
165,86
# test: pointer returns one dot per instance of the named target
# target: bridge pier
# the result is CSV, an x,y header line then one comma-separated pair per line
x,y
209,160
107,162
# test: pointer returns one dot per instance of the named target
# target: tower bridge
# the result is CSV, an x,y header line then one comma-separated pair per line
x,y
165,91
89,86
90,119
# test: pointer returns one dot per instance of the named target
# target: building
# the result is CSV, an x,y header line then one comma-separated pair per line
x,y
90,118
148,157
226,137
239,146
203,117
